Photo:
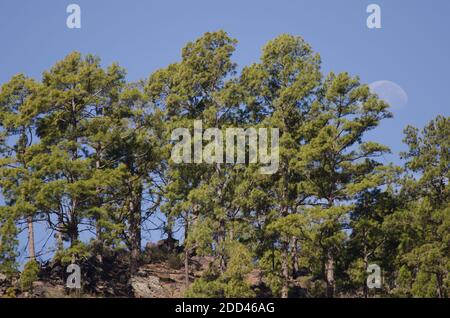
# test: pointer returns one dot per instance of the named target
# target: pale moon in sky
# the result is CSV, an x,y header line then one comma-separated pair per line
x,y
390,92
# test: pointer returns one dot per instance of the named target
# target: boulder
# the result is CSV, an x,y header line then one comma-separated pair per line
x,y
146,286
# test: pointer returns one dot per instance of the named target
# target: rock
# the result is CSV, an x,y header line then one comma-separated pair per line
x,y
43,289
39,289
200,263
146,287
3,284
168,245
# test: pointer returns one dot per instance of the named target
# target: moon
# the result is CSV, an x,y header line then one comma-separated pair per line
x,y
390,92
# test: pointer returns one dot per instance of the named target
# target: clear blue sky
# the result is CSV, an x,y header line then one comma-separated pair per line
x,y
411,49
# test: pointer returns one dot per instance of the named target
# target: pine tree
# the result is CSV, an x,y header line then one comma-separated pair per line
x,y
67,182
136,149
280,93
339,162
369,241
17,136
83,150
195,89
422,223
8,243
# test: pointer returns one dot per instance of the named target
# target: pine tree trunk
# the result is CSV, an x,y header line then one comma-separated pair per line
x,y
366,264
98,228
31,245
285,271
59,236
186,252
59,241
294,257
329,268
439,283
73,224
222,227
222,233
73,234
285,245
135,228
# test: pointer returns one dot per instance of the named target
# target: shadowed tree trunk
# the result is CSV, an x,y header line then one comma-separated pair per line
x,y
186,252
135,227
294,257
285,271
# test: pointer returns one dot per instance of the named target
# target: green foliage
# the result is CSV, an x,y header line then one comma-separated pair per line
x,y
175,261
424,285
77,251
8,244
85,150
29,275
270,263
10,293
232,283
238,289
202,288
404,282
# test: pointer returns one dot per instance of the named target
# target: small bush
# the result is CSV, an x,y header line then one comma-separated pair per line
x,y
10,293
174,261
202,288
29,275
154,254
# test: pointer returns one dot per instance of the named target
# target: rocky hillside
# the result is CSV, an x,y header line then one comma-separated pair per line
x,y
106,274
